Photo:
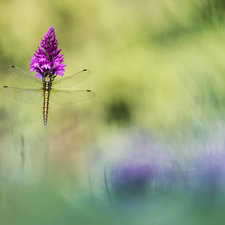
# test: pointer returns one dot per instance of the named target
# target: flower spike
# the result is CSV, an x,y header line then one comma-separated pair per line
x,y
47,58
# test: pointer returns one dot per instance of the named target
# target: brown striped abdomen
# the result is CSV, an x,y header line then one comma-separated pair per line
x,y
46,104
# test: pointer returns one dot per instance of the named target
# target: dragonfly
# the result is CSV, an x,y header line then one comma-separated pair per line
x,y
47,89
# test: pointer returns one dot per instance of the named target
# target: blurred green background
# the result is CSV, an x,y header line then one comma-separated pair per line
x,y
157,65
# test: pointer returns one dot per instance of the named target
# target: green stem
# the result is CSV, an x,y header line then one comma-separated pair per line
x,y
46,150
22,154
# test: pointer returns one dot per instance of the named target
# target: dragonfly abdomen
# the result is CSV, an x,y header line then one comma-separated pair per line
x,y
46,89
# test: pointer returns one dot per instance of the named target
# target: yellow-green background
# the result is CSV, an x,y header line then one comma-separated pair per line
x,y
157,65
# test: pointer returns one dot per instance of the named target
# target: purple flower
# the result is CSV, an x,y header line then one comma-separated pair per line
x,y
210,172
131,178
47,57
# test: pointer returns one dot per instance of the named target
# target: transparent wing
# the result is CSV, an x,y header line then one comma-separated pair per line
x,y
62,97
72,80
23,94
24,78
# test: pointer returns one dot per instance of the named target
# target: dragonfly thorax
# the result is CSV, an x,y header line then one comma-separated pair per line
x,y
48,77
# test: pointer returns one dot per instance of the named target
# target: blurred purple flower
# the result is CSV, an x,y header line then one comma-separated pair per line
x,y
145,166
130,179
47,58
210,172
